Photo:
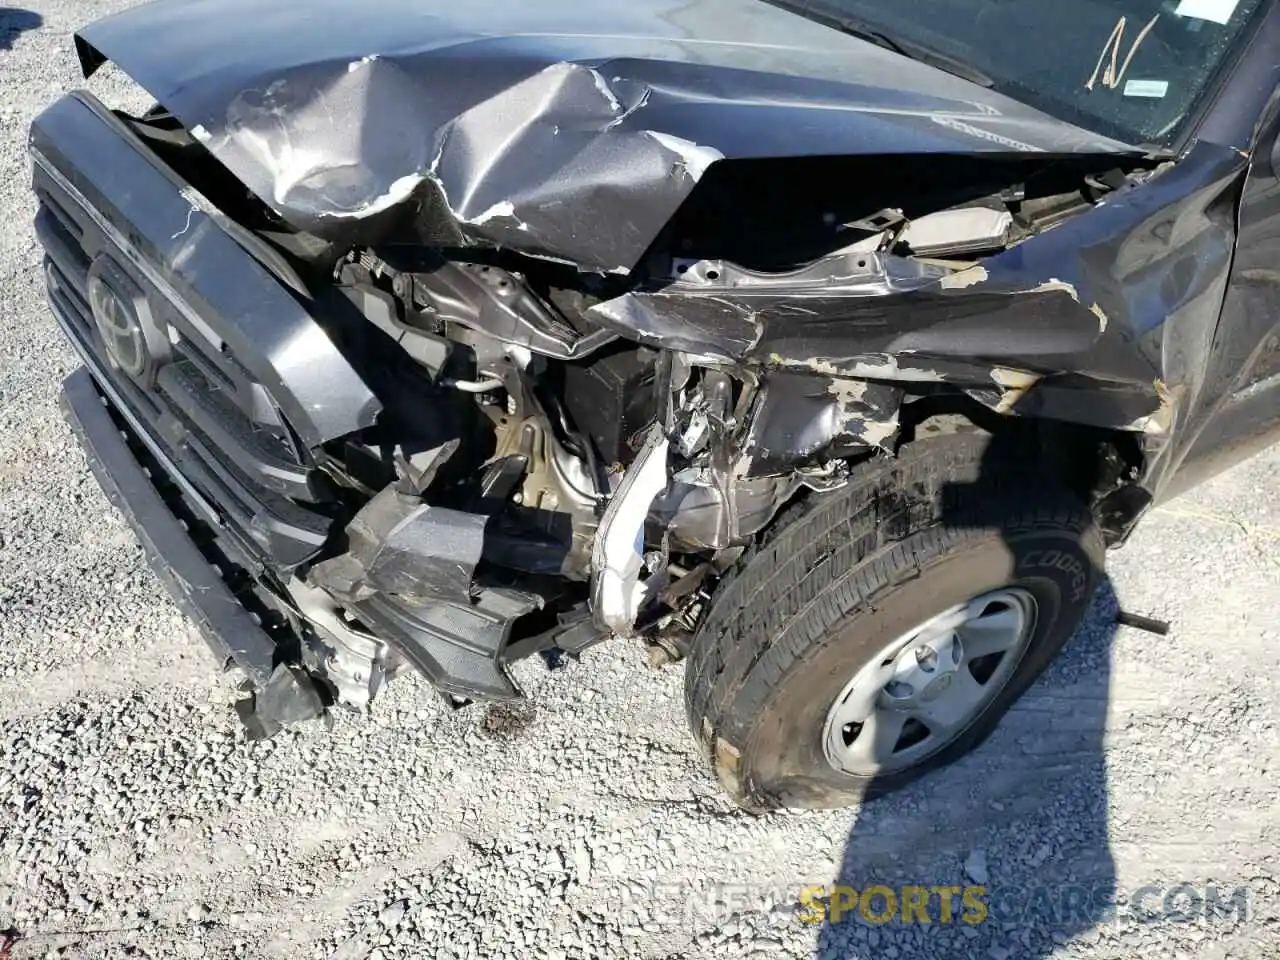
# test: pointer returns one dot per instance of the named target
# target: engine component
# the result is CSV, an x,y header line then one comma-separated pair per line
x,y
800,416
543,499
962,230
552,480
700,514
611,399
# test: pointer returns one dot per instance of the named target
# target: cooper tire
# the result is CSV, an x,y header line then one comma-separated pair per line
x,y
947,520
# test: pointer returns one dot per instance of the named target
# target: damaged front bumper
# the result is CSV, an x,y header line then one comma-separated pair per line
x,y
206,386
198,567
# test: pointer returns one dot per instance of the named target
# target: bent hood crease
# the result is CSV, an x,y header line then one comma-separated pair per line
x,y
567,130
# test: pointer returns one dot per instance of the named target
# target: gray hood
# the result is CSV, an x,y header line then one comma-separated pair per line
x,y
567,129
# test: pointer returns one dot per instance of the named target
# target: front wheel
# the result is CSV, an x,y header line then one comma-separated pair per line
x,y
882,631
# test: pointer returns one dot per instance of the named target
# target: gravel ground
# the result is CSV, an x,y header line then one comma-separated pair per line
x,y
134,821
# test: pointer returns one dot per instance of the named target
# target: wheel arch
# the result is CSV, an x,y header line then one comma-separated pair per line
x,y
1100,465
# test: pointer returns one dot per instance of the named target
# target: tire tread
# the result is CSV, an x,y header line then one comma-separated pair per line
x,y
827,556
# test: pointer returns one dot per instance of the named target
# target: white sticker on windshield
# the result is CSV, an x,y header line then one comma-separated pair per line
x,y
1217,11
1146,88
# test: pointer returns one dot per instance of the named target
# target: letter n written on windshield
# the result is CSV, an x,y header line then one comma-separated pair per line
x,y
1111,77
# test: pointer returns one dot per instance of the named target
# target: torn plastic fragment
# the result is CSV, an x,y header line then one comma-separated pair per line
x,y
288,697
401,546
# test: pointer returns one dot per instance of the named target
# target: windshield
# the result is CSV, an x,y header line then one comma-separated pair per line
x,y
1130,69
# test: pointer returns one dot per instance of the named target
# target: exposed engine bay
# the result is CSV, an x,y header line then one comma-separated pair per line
x,y
564,456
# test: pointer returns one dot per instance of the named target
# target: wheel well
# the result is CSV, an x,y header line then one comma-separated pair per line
x,y
1100,466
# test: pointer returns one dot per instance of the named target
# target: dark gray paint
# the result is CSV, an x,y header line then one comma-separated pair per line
x,y
575,131
147,216
571,130
1112,313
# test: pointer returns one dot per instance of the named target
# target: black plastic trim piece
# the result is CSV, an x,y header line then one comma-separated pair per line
x,y
196,586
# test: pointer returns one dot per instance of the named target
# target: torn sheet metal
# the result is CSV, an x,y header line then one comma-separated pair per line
x,y
849,312
1082,323
799,416
558,129
720,309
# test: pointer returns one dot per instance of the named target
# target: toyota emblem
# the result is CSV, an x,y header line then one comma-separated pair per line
x,y
121,316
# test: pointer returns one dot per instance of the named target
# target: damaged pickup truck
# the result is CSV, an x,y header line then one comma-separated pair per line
x,y
824,345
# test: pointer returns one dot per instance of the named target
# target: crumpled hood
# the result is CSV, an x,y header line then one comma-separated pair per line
x,y
569,129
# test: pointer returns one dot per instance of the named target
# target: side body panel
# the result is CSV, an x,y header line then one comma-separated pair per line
x,y
1238,410
1241,415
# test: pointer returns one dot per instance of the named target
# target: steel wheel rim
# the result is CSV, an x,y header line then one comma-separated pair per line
x,y
929,685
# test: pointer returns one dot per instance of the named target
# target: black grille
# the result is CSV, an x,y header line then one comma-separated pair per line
x,y
217,365
221,428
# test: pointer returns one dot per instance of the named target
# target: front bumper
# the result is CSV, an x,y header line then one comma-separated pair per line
x,y
189,560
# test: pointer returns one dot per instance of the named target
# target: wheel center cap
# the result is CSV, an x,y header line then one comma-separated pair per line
x,y
923,673
937,687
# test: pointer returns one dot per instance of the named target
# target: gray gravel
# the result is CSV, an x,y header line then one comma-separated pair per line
x,y
134,821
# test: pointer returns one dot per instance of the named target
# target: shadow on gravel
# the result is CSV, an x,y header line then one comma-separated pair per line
x,y
14,22
1019,826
